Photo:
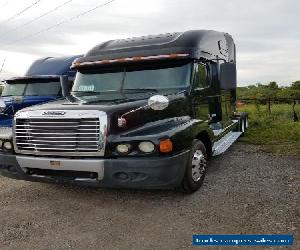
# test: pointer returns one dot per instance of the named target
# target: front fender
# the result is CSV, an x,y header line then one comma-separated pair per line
x,y
181,130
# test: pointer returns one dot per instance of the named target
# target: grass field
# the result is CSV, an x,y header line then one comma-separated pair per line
x,y
276,132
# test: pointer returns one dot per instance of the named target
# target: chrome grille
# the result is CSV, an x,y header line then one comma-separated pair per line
x,y
59,136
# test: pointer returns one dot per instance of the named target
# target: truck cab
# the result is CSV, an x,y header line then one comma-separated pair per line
x,y
40,84
146,112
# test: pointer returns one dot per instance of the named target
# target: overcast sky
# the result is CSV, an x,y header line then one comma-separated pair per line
x,y
267,33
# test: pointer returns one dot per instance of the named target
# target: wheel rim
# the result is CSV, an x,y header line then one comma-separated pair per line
x,y
198,165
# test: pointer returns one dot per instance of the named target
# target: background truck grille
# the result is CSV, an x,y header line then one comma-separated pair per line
x,y
60,136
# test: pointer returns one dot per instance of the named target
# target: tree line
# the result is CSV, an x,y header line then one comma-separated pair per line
x,y
269,91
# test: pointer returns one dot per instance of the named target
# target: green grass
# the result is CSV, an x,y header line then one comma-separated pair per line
x,y
275,132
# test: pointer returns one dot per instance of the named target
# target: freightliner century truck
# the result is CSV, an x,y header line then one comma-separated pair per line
x,y
144,112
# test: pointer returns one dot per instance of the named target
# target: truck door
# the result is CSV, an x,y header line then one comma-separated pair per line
x,y
210,103
201,91
226,108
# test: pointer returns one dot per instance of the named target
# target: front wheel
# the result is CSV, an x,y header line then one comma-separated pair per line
x,y
196,168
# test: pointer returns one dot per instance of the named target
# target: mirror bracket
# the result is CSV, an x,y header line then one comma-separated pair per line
x,y
156,102
64,80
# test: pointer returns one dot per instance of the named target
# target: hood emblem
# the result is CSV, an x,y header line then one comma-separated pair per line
x,y
54,113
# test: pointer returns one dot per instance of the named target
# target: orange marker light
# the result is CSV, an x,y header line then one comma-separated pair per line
x,y
165,146
128,59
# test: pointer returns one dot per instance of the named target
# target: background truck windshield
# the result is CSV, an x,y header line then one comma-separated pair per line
x,y
30,89
128,79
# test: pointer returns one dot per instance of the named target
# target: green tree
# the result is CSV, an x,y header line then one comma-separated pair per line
x,y
296,85
273,85
270,90
289,93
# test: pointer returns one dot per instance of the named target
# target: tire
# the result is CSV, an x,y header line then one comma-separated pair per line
x,y
195,169
243,121
246,122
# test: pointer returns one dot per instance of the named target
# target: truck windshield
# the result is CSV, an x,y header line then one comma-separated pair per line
x,y
133,79
30,89
13,90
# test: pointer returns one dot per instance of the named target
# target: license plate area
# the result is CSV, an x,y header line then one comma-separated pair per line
x,y
66,174
63,166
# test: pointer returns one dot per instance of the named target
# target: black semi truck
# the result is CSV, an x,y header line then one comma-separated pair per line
x,y
145,112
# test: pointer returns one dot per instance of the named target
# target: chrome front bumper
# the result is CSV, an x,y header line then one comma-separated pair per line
x,y
140,172
61,164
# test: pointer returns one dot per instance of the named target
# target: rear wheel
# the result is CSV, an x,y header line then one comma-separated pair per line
x,y
246,122
243,123
196,168
242,126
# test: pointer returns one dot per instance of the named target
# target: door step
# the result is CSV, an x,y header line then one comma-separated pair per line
x,y
225,142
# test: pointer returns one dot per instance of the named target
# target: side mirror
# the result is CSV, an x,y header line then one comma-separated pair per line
x,y
228,79
65,86
2,105
158,102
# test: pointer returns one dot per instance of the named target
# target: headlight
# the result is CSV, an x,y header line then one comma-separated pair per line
x,y
123,148
146,147
7,145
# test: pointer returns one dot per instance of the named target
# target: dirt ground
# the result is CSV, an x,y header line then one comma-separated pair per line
x,y
246,191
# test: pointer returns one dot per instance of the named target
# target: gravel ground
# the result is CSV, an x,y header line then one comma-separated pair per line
x,y
246,191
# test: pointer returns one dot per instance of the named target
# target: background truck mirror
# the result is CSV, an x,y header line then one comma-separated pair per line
x,y
65,86
228,79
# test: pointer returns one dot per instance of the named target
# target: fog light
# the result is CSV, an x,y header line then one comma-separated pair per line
x,y
123,148
165,146
7,145
122,176
146,146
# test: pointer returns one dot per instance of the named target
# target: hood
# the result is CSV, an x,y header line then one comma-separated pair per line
x,y
16,103
114,109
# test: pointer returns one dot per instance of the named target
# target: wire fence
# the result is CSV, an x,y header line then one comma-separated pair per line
x,y
287,108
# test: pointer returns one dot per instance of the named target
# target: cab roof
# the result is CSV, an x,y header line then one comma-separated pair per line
x,y
195,44
50,66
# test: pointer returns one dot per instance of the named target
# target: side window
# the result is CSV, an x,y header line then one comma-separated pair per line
x,y
202,76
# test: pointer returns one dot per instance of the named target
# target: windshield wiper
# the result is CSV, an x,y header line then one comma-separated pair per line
x,y
88,92
140,90
82,93
94,92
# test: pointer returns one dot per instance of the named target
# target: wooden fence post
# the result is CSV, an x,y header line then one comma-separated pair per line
x,y
296,119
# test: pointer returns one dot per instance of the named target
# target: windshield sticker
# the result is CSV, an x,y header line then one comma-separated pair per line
x,y
86,88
